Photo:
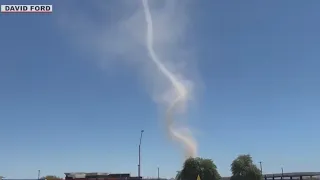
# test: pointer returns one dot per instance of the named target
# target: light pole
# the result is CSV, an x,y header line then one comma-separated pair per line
x,y
38,174
139,165
261,167
282,173
158,174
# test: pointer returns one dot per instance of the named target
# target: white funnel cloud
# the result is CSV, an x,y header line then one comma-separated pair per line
x,y
181,91
125,31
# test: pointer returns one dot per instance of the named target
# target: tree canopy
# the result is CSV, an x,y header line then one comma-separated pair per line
x,y
178,176
193,167
243,168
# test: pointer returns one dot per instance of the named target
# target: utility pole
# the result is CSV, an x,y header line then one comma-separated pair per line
x,y
139,165
261,168
158,174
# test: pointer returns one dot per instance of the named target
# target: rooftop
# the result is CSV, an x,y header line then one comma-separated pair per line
x,y
95,174
90,173
84,174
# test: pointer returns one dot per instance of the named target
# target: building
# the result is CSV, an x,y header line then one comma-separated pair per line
x,y
98,176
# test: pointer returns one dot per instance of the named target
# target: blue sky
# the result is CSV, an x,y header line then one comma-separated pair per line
x,y
258,62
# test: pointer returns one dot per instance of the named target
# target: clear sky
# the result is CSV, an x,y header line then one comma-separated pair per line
x,y
258,62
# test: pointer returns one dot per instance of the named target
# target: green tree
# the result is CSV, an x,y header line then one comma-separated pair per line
x,y
243,168
178,176
193,167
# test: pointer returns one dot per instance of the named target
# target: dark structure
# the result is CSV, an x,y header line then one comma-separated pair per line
x,y
98,176
294,175
287,176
